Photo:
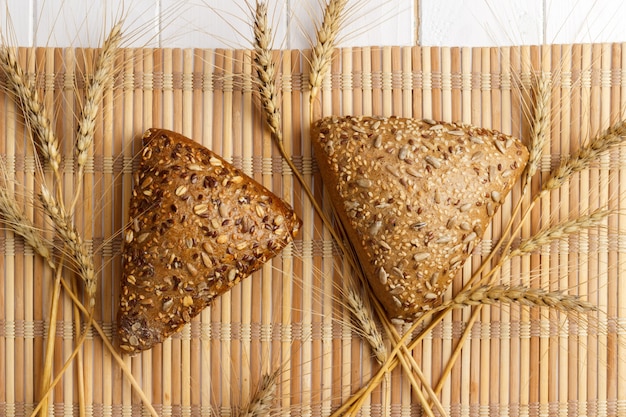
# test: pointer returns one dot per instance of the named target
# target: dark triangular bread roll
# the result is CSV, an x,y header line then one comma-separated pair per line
x,y
415,196
197,227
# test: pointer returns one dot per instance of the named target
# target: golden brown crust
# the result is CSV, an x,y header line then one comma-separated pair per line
x,y
416,197
198,226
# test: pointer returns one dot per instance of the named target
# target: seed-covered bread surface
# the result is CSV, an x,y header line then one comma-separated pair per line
x,y
198,225
416,197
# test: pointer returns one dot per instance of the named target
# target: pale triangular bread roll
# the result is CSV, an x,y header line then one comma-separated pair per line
x,y
415,196
197,227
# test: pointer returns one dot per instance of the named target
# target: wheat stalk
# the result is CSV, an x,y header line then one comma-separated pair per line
x,y
491,294
326,37
34,111
107,343
85,136
82,257
265,70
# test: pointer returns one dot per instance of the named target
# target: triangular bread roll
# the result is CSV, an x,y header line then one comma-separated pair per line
x,y
197,227
415,196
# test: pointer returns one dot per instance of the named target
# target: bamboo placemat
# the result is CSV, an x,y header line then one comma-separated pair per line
x,y
518,361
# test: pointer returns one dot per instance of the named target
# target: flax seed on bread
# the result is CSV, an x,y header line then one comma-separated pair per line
x,y
198,225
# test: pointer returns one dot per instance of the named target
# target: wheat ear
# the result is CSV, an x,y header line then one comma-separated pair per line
x,y
95,90
72,240
366,324
539,126
266,71
586,155
15,219
326,37
532,297
34,111
261,402
560,231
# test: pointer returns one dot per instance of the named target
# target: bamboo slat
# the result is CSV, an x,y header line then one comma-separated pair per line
x,y
290,315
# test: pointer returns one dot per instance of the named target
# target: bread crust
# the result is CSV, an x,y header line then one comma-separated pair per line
x,y
198,225
416,197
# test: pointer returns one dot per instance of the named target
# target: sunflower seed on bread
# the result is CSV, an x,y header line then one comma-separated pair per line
x,y
197,227
415,197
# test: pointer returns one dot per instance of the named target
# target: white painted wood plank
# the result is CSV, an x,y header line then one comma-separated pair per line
x,y
16,21
206,23
481,22
213,24
85,23
369,22
585,21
